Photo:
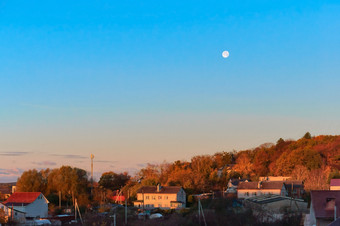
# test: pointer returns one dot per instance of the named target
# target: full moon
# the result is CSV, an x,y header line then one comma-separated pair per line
x,y
225,54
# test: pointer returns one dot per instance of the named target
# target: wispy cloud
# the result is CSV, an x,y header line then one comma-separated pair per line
x,y
14,153
70,156
45,163
11,172
105,161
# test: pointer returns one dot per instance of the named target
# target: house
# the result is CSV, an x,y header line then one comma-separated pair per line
x,y
233,184
6,189
34,204
272,178
165,197
324,207
250,189
12,214
295,188
335,184
269,208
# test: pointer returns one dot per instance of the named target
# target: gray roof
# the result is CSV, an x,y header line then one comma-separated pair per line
x,y
163,190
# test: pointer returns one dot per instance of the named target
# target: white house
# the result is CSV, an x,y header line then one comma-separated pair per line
x,y
12,214
34,204
251,189
167,197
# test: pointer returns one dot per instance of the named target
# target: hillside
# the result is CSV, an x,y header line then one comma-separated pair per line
x,y
312,159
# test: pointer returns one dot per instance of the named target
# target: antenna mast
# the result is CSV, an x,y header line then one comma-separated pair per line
x,y
92,157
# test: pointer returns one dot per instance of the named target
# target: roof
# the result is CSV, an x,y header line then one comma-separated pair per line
x,y
264,199
235,182
248,185
272,185
335,182
22,198
335,223
164,190
264,185
323,203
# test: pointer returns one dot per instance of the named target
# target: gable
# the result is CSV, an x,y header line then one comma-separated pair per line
x,y
24,198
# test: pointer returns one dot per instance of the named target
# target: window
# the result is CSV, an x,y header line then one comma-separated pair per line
x,y
166,197
153,197
147,197
159,197
159,205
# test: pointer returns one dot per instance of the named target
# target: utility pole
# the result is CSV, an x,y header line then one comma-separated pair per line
x,y
92,157
59,199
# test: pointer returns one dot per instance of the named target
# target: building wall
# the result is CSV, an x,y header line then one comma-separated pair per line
x,y
17,216
38,208
243,193
160,200
271,178
335,188
155,200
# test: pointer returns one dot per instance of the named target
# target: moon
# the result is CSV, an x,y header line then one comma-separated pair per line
x,y
225,54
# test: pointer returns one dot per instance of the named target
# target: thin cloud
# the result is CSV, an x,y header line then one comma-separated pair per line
x,y
70,156
11,172
14,153
105,161
45,163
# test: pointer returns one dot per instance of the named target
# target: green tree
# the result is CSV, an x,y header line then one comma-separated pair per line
x,y
113,181
307,136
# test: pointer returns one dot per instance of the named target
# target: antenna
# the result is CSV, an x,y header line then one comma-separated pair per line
x,y
92,157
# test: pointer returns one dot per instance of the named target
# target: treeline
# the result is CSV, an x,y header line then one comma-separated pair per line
x,y
66,181
315,160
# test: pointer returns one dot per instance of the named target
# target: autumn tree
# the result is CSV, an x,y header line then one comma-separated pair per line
x,y
33,181
243,163
71,182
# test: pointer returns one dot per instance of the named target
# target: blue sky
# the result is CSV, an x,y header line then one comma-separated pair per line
x,y
144,81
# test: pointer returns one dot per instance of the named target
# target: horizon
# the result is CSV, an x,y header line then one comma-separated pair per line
x,y
137,83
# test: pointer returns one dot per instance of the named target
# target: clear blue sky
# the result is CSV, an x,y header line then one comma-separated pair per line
x,y
144,81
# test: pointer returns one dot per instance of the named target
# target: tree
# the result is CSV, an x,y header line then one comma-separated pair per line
x,y
71,182
113,181
2,217
307,136
32,181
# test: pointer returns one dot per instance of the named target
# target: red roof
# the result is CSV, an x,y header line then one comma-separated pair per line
x,y
335,182
323,203
118,198
22,198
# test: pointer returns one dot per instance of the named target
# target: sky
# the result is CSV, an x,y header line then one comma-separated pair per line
x,y
137,82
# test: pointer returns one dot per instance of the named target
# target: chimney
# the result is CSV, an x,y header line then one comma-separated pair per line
x,y
159,187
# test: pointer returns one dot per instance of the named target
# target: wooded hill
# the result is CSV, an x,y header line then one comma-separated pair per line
x,y
315,160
